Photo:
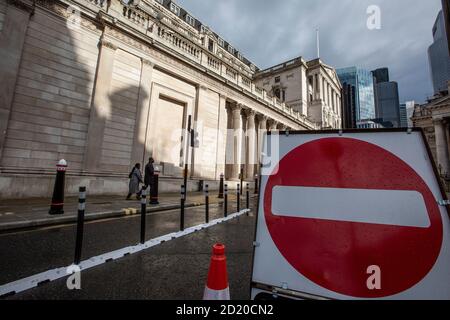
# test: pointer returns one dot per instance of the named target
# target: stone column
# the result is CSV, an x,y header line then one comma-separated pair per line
x,y
314,88
221,137
140,152
251,134
329,95
229,154
262,123
100,108
272,125
324,91
304,92
441,146
237,137
331,99
197,166
319,88
447,136
336,103
243,142
12,38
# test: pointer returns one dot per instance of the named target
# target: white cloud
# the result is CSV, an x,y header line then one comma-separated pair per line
x,y
268,32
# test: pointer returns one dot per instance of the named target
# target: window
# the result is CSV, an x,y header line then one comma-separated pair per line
x,y
174,8
231,73
203,29
160,1
277,79
221,42
240,56
283,95
277,93
210,45
190,20
230,49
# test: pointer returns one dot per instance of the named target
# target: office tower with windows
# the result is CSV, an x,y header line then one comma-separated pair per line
x,y
362,81
438,56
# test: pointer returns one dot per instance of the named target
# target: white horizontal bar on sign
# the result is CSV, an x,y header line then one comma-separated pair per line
x,y
385,207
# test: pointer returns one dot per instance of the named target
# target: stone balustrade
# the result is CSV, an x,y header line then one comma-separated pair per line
x,y
99,3
184,41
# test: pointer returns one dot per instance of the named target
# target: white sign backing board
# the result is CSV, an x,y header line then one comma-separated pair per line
x,y
351,215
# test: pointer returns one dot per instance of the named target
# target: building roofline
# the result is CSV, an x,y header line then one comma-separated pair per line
x,y
198,25
292,63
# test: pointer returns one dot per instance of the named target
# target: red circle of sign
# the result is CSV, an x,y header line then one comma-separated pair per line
x,y
335,254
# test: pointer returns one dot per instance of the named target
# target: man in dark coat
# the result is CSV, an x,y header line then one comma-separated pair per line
x,y
149,173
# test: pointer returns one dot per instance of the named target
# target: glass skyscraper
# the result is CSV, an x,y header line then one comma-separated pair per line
x,y
362,80
387,104
438,55
403,116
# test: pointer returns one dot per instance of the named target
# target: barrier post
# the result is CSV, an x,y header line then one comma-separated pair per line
x,y
221,187
143,212
80,225
154,187
238,199
183,198
207,204
247,196
225,203
241,176
57,206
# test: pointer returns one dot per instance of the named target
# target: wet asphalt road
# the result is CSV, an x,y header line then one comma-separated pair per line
x,y
173,270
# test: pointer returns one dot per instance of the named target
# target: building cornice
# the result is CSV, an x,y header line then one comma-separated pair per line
x,y
116,27
25,5
288,65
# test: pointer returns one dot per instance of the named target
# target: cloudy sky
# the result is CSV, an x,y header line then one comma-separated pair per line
x,y
268,32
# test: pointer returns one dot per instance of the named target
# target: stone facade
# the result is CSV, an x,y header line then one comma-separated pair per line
x,y
105,85
434,119
309,87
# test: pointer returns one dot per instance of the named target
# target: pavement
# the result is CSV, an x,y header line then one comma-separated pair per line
x,y
175,269
32,213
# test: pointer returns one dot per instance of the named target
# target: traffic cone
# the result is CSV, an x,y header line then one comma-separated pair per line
x,y
217,285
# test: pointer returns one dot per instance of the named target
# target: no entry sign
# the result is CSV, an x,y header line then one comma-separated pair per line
x,y
353,216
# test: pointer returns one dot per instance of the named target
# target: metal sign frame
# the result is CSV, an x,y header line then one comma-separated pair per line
x,y
303,295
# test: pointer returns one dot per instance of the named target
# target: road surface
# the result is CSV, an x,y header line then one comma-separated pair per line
x,y
173,270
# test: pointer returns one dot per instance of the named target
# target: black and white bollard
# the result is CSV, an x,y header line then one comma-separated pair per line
x,y
57,206
241,176
238,198
225,201
256,184
80,225
143,213
206,203
221,186
154,187
247,197
183,199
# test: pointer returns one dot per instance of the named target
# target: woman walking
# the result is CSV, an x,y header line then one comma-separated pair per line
x,y
135,179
